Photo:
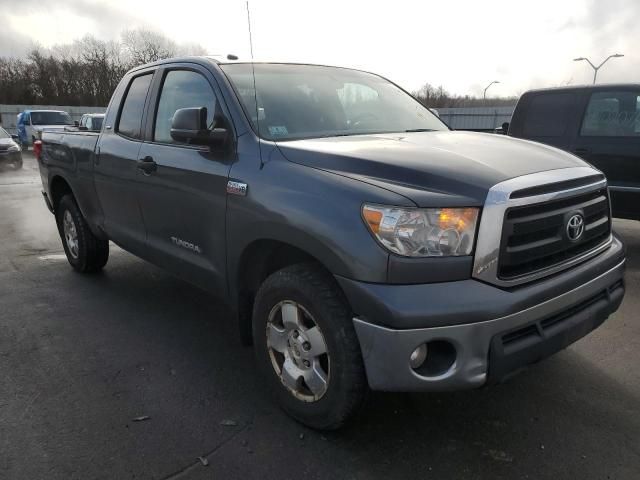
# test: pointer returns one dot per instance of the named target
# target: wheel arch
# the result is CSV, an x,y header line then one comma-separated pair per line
x,y
258,260
58,188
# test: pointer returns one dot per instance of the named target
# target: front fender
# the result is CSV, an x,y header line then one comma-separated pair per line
x,y
315,211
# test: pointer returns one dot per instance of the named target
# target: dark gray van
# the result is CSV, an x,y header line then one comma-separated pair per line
x,y
599,123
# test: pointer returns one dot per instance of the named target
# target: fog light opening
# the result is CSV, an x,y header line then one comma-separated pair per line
x,y
441,358
418,356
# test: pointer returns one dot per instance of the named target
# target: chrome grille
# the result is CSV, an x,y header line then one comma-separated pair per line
x,y
534,237
522,234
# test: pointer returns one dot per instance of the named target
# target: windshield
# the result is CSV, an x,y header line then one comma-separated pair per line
x,y
307,101
4,134
50,118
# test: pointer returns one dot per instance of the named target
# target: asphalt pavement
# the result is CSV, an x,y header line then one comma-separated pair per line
x,y
132,373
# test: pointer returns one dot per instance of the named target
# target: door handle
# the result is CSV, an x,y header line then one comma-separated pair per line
x,y
147,165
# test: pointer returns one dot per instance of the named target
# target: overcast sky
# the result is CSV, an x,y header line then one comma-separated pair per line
x,y
462,45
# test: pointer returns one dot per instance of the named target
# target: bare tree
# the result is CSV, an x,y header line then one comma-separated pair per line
x,y
144,46
84,72
439,97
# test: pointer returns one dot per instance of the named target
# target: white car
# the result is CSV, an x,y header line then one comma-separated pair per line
x,y
91,122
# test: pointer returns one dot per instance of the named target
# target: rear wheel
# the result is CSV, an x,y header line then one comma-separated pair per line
x,y
85,252
307,348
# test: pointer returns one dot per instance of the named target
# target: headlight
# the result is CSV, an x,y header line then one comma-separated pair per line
x,y
14,148
423,232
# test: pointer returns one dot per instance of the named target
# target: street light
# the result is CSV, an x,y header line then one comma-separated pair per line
x,y
484,94
595,69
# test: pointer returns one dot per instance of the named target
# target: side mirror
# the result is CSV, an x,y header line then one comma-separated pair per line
x,y
189,125
505,127
15,137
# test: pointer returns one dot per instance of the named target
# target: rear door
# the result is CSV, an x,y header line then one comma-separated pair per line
x,y
183,199
609,139
116,172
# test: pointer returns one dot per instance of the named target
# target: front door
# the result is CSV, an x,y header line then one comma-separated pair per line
x,y
609,139
183,197
116,168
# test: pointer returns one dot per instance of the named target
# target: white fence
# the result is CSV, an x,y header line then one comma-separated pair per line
x,y
9,113
476,118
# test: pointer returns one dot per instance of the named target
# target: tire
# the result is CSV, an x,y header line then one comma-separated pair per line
x,y
18,165
313,293
88,253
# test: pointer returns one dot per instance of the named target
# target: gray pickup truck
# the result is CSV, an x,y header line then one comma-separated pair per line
x,y
360,243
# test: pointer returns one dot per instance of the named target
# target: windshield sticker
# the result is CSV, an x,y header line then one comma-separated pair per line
x,y
279,130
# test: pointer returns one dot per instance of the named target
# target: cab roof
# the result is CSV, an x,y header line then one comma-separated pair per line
x,y
574,88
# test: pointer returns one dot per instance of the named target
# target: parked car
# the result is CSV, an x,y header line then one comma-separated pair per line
x,y
91,121
10,153
360,242
31,124
599,123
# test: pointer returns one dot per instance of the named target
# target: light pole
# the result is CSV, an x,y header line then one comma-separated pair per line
x,y
595,69
484,94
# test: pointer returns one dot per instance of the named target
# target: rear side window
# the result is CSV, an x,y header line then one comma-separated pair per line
x,y
612,114
548,114
133,107
182,89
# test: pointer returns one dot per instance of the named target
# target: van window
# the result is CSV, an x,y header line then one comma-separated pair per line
x,y
548,114
612,114
131,114
182,89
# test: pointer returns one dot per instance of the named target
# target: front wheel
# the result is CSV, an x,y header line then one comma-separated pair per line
x,y
85,252
307,348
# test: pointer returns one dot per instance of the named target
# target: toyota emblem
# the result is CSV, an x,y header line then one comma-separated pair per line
x,y
575,227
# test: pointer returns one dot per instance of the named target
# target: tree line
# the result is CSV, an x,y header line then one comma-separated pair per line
x,y
438,97
85,72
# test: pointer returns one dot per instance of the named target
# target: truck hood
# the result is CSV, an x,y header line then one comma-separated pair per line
x,y
430,168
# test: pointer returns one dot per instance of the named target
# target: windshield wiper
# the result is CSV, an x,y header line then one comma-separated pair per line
x,y
420,130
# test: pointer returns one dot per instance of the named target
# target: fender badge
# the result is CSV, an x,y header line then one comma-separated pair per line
x,y
237,188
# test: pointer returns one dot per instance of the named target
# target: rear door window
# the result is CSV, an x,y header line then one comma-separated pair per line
x,y
612,114
548,115
130,121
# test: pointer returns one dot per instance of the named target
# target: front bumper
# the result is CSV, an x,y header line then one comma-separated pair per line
x,y
10,158
535,322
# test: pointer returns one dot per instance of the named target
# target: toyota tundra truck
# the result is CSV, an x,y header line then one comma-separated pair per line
x,y
360,243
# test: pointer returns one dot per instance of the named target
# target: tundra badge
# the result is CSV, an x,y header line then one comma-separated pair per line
x,y
184,244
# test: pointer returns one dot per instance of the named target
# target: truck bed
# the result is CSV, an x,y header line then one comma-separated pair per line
x,y
69,149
